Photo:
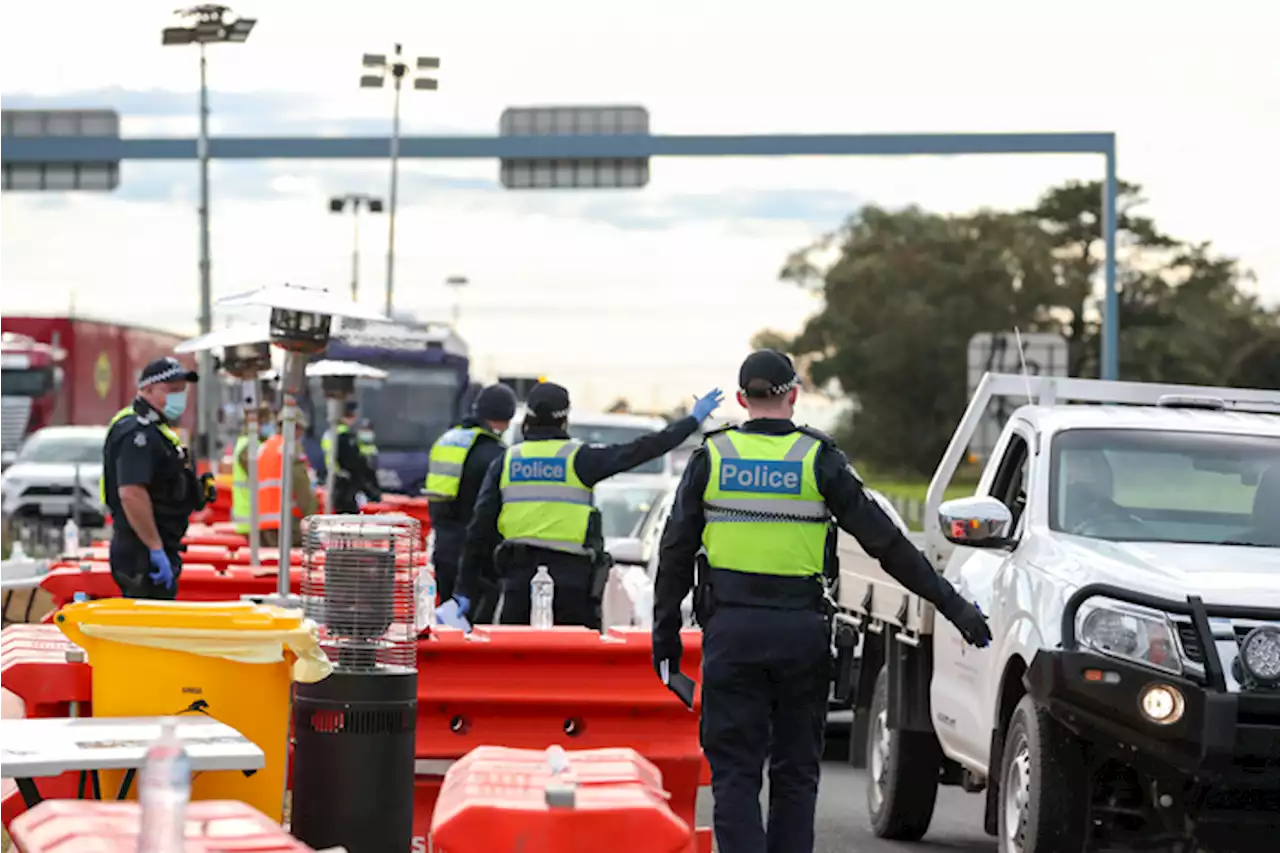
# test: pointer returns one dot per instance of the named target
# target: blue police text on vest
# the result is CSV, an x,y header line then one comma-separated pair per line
x,y
456,438
540,470
762,476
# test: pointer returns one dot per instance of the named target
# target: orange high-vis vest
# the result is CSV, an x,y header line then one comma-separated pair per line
x,y
270,476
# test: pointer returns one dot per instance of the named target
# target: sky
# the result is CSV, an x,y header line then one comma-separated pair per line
x,y
650,294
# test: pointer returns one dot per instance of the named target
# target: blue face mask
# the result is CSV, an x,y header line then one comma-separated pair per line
x,y
268,430
175,403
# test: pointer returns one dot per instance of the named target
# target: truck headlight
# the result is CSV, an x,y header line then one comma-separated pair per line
x,y
1129,632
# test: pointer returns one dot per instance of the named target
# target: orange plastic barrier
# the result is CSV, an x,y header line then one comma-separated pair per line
x,y
519,687
86,826
419,508
509,799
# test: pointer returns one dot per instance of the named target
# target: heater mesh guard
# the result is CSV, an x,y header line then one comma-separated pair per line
x,y
359,584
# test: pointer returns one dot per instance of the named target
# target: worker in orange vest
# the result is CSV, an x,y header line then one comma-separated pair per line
x,y
270,479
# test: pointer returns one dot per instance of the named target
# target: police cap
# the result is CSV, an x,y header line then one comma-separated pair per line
x,y
767,373
495,403
167,369
548,403
349,408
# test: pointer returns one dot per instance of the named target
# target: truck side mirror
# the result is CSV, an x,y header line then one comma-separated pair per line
x,y
977,522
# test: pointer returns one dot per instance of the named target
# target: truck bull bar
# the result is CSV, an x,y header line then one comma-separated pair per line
x,y
1192,606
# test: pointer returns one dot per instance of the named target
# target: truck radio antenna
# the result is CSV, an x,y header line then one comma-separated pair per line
x,y
1022,357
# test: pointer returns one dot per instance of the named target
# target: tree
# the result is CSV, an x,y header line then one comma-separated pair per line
x,y
904,295
619,406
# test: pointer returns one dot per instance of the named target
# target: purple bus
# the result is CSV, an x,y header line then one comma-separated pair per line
x,y
426,388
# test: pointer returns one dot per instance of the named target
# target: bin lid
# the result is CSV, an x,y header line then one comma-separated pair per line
x,y
181,615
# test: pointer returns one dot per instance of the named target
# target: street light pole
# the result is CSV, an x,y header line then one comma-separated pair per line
x,y
457,282
207,24
355,201
399,69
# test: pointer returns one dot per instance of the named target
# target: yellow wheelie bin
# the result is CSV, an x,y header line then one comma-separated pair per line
x,y
233,660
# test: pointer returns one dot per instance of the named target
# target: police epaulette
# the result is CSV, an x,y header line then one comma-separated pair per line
x,y
814,432
718,430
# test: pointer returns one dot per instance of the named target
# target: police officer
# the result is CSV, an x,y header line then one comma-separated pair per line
x,y
459,461
758,501
354,473
537,497
149,484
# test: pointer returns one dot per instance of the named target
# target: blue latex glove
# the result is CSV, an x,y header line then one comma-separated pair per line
x,y
464,604
705,405
163,575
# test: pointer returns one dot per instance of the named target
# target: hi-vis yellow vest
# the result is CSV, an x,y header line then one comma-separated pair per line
x,y
764,513
165,430
448,455
329,447
240,487
543,502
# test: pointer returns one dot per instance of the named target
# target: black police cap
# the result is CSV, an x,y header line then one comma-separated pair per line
x,y
167,369
495,403
767,373
548,403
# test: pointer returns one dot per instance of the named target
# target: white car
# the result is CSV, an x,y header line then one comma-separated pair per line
x,y
596,428
51,465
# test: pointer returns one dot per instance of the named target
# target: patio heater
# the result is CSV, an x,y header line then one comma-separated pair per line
x,y
338,381
354,731
300,323
246,355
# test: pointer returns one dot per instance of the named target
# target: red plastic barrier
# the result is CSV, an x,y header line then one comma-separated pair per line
x,y
509,799
518,687
35,670
87,826
419,508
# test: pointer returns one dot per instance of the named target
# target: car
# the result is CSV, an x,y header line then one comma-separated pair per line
x,y
599,428
55,475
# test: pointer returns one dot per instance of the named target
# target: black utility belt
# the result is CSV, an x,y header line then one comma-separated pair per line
x,y
732,588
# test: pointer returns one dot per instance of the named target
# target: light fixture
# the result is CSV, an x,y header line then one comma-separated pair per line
x,y
1260,655
1162,704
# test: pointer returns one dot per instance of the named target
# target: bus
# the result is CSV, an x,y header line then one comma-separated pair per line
x,y
427,388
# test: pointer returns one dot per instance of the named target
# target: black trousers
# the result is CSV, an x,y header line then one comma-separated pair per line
x,y
131,569
571,605
765,683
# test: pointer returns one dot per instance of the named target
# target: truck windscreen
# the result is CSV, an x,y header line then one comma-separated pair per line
x,y
412,408
1165,486
28,382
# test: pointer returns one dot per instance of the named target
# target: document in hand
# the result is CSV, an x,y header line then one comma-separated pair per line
x,y
447,614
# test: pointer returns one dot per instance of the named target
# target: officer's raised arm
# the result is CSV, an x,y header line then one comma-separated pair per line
x,y
595,463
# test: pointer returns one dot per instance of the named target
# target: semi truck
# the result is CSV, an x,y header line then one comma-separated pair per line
x,y
1123,543
61,371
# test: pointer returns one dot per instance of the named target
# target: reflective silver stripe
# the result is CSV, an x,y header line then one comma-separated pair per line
x,y
721,516
552,545
563,453
797,453
777,506
445,469
519,493
239,484
270,484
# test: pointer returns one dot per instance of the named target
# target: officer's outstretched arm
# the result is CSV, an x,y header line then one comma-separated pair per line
x,y
600,462
677,552
862,518
482,533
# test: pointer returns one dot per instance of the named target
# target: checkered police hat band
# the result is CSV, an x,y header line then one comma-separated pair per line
x,y
174,371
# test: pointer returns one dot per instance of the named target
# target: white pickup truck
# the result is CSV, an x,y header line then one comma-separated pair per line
x,y
1124,541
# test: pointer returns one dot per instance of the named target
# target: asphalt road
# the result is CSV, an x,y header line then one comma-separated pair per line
x,y
842,815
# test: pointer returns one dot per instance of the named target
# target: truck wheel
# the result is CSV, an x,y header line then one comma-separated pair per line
x,y
1044,791
902,773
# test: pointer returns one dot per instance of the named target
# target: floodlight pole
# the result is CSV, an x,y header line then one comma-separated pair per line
x,y
397,71
204,439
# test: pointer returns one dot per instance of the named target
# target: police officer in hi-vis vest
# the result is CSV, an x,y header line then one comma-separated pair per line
x,y
149,484
459,461
354,472
537,502
759,501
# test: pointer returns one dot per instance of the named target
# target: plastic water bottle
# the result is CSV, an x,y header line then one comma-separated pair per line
x,y
70,538
164,790
542,593
425,615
